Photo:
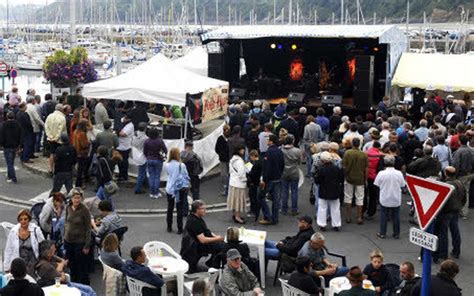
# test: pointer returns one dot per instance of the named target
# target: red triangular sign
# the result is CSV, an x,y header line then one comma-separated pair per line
x,y
429,196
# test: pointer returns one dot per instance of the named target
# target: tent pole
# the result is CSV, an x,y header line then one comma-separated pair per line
x,y
186,116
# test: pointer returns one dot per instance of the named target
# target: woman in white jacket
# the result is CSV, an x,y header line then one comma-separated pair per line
x,y
237,196
23,241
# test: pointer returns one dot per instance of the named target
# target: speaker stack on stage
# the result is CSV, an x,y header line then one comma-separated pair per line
x,y
331,100
364,83
295,99
237,94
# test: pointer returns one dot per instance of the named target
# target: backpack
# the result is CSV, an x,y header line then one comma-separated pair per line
x,y
36,211
194,166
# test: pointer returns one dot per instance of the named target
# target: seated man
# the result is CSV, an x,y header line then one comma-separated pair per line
x,y
409,279
198,240
136,269
51,267
237,279
110,220
291,244
19,286
356,277
314,249
301,279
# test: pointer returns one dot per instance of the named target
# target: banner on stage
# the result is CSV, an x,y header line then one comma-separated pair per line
x,y
214,102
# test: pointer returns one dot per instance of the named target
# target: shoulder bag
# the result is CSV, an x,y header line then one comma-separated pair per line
x,y
110,187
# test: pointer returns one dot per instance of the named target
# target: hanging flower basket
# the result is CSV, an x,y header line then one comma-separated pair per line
x,y
67,70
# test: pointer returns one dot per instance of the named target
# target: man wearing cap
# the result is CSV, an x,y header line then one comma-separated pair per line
x,y
291,244
356,277
54,126
194,166
64,161
237,279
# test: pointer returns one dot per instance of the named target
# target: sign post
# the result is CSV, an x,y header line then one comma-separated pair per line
x,y
428,196
3,72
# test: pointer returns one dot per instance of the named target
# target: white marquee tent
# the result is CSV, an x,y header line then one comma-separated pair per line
x,y
444,72
158,80
195,61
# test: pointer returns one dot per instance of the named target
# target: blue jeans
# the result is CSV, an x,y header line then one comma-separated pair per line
x,y
154,173
445,221
271,251
309,161
140,178
102,195
394,216
10,154
286,187
273,188
28,147
38,137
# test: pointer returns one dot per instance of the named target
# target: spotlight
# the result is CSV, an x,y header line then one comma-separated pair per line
x,y
273,46
294,47
280,46
376,49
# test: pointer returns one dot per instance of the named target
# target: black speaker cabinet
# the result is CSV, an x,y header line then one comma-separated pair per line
x,y
216,65
237,94
172,131
364,82
295,98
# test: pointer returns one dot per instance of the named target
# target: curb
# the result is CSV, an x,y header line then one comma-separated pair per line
x,y
144,212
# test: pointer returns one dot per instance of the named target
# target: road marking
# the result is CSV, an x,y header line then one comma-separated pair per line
x,y
4,170
41,197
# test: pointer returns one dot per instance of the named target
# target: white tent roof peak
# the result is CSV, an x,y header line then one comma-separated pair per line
x,y
158,80
196,60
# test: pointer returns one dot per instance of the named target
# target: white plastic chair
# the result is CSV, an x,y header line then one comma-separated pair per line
x,y
7,226
210,277
135,287
291,291
156,248
114,280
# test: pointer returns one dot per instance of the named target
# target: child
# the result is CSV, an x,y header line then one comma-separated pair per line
x,y
253,181
378,274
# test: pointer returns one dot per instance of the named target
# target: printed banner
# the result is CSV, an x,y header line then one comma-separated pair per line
x,y
214,103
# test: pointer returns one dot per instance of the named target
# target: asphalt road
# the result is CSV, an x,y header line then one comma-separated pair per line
x,y
355,241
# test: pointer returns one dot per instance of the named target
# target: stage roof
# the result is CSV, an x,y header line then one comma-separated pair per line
x,y
385,33
436,72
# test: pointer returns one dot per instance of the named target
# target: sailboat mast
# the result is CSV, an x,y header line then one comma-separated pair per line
x,y
72,21
342,12
217,12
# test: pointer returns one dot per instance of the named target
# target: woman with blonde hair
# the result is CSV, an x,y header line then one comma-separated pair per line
x,y
176,189
109,253
237,197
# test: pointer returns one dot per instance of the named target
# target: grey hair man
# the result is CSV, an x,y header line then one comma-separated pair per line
x,y
315,250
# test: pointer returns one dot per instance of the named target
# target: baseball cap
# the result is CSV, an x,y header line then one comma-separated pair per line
x,y
233,254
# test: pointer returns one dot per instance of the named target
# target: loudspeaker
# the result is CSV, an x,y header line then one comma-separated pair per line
x,y
364,82
216,65
295,99
237,94
331,100
172,131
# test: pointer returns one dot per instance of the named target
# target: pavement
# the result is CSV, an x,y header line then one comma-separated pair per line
x,y
355,241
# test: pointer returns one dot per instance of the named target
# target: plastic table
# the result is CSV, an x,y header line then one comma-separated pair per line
x,y
62,290
170,266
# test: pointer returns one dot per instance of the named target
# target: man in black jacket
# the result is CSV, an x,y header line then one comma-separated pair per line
x,y
273,165
291,244
19,286
10,138
442,284
409,279
222,150
64,161
301,279
448,218
28,136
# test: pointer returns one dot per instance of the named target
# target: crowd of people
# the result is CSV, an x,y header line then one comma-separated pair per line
x,y
351,162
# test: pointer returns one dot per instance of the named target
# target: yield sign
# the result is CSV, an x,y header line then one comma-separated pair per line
x,y
429,196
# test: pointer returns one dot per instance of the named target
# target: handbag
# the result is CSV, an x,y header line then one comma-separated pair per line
x,y
183,180
110,187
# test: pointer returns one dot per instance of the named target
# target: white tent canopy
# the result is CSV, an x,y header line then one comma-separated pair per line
x,y
195,61
449,73
158,80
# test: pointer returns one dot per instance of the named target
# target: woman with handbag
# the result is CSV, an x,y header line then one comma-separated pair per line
x,y
107,187
176,189
237,197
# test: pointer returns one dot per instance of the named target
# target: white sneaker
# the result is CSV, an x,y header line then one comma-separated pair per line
x,y
9,180
159,195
